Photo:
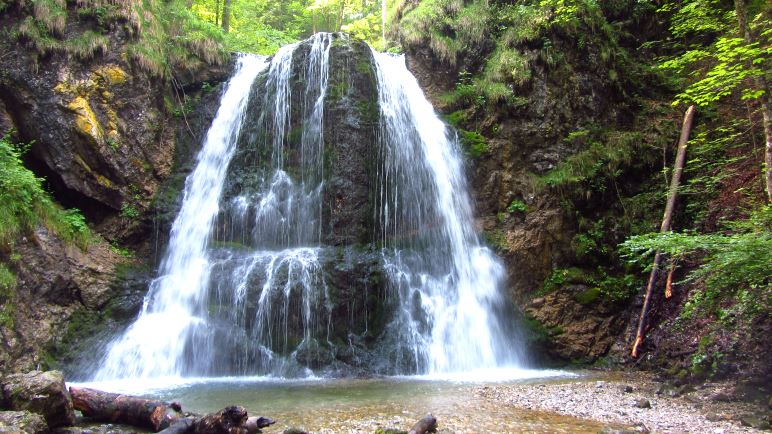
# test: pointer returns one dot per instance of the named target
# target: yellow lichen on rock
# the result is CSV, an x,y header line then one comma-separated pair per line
x,y
112,74
86,121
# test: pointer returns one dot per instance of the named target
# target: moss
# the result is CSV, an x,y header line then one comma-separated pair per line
x,y
561,277
475,144
538,333
231,245
7,288
336,91
87,45
364,66
496,239
368,111
588,296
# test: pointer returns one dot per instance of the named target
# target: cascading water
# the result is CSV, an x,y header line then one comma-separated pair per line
x,y
253,282
173,308
448,283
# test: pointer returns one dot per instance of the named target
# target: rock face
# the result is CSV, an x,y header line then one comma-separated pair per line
x,y
339,280
525,142
109,138
23,422
577,331
54,280
352,107
43,393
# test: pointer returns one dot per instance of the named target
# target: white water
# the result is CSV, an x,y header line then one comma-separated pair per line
x,y
265,307
443,269
153,345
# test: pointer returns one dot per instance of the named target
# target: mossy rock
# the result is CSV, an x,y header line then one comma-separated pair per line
x,y
588,296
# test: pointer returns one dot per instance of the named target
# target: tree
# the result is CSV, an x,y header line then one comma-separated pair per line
x,y
722,63
741,10
226,15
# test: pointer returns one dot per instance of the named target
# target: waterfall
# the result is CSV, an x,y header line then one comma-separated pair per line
x,y
448,284
254,282
153,345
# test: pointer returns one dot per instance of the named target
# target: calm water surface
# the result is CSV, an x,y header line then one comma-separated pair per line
x,y
363,405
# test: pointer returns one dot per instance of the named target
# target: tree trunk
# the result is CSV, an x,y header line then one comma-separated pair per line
x,y
181,426
217,13
741,11
427,424
189,4
231,420
113,407
666,223
226,15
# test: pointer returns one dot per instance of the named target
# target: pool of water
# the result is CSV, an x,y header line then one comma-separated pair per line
x,y
363,405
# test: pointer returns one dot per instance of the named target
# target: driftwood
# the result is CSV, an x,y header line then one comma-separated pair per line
x,y
427,424
131,410
231,420
181,426
666,222
160,416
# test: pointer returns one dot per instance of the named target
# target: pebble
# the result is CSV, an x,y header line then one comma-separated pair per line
x,y
602,401
642,403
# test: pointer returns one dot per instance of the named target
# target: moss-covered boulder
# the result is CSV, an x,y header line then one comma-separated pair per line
x,y
39,392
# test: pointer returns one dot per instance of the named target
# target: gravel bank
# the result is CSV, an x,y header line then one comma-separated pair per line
x,y
623,400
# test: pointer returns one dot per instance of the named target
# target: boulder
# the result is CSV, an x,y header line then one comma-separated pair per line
x,y
39,392
22,421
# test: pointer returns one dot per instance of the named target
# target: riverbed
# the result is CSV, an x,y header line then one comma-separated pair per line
x,y
524,401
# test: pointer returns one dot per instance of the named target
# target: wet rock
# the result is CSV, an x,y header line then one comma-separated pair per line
x,y
43,393
22,422
754,421
55,280
720,397
668,390
572,330
626,389
642,403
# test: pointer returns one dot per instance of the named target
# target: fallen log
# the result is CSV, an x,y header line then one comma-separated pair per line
x,y
254,423
181,426
231,420
427,424
131,410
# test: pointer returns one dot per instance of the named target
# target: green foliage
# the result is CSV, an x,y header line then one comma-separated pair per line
x,y
496,239
712,60
606,153
734,264
559,278
476,144
163,35
122,251
7,287
262,26
129,211
24,203
524,36
7,281
517,205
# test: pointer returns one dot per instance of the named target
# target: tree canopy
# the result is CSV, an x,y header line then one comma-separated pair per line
x,y
262,26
